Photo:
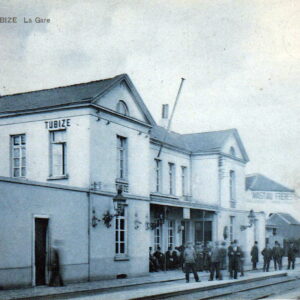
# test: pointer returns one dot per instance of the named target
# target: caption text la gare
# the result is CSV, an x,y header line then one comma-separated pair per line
x,y
36,20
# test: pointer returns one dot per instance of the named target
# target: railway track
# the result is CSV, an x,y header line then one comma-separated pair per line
x,y
240,290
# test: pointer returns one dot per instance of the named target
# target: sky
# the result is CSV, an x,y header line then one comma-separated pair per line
x,y
240,59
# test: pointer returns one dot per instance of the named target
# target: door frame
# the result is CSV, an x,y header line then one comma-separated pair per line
x,y
34,217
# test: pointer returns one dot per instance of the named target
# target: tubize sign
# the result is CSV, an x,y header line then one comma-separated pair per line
x,y
58,124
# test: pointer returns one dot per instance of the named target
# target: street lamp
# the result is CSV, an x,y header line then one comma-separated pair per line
x,y
251,218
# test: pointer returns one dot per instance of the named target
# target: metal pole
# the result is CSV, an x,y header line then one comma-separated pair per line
x,y
171,117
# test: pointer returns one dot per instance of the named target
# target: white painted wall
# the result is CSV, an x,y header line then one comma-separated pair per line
x,y
169,156
37,145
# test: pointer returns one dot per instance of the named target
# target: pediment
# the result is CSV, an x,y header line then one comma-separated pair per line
x,y
125,92
233,146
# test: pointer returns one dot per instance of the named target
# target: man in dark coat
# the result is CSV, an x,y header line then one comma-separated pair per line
x,y
236,259
254,255
230,259
160,258
267,254
292,251
277,256
169,259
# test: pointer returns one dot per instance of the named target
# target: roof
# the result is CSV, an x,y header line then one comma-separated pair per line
x,y
259,182
66,95
197,142
284,216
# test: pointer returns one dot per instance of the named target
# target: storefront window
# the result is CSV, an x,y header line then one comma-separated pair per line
x,y
203,231
18,155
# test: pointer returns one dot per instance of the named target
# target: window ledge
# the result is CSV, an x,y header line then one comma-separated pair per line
x,y
121,258
58,177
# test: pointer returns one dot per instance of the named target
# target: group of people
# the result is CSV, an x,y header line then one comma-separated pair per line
x,y
215,257
276,254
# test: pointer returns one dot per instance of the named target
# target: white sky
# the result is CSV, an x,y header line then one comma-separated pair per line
x,y
241,60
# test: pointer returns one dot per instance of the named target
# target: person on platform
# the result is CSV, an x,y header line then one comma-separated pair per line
x,y
223,256
242,261
55,264
277,256
254,255
236,258
175,256
160,258
169,259
215,260
180,249
189,258
199,256
292,252
153,263
230,259
267,253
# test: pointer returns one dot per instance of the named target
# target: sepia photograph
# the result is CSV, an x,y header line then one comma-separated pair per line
x,y
150,149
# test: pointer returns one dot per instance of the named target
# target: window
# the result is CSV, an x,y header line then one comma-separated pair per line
x,y
232,151
18,150
184,181
157,175
122,157
232,189
58,153
231,228
171,234
121,234
122,108
171,179
157,232
274,231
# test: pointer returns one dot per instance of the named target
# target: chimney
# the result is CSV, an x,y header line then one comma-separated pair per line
x,y
164,116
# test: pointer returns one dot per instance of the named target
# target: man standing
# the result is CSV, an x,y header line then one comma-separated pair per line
x,y
254,255
230,259
267,254
292,251
277,256
189,258
236,258
215,260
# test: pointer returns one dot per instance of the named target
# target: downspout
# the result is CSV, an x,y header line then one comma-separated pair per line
x,y
89,235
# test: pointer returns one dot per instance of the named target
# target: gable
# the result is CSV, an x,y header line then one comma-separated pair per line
x,y
122,92
231,142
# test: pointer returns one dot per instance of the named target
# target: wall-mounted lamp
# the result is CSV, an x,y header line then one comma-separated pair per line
x,y
251,218
139,133
95,220
107,122
137,222
119,202
180,228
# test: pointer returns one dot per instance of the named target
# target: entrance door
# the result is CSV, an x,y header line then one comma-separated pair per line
x,y
41,226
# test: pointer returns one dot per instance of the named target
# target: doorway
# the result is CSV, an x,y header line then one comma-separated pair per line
x,y
40,247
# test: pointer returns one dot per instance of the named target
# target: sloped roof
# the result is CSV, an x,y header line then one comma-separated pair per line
x,y
57,96
196,142
205,141
284,216
259,182
66,95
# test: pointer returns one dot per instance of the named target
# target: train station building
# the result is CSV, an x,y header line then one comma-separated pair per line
x,y
88,165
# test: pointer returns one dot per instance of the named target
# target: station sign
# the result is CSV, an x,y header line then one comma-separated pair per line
x,y
58,124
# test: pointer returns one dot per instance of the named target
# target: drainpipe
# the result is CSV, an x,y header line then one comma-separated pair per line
x,y
89,235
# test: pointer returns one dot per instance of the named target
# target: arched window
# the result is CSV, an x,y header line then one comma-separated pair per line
x,y
232,151
122,108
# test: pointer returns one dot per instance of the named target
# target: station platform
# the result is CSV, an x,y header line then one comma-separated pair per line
x,y
143,286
